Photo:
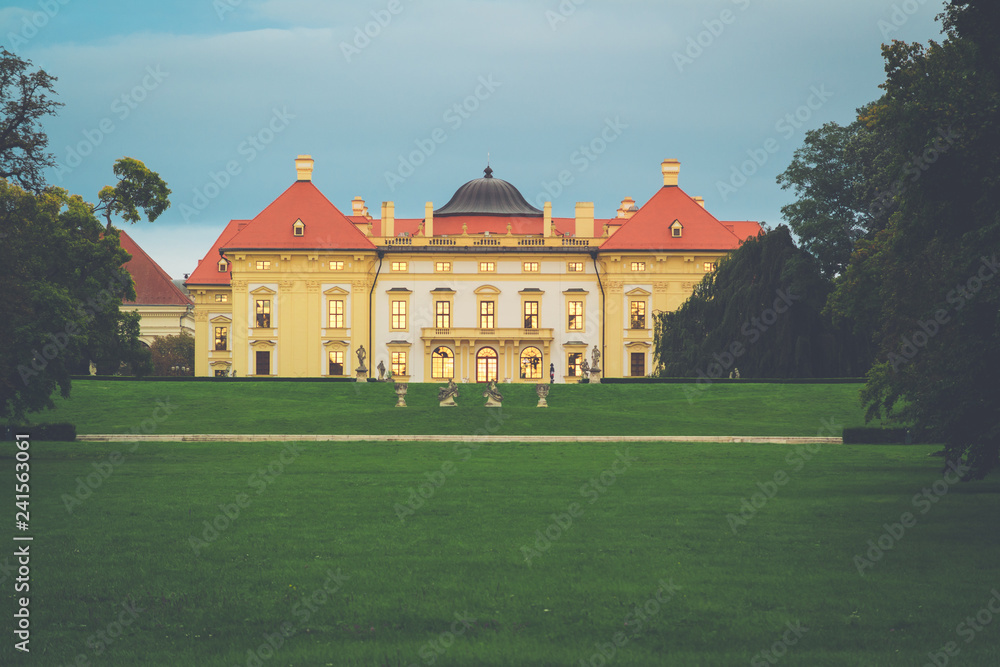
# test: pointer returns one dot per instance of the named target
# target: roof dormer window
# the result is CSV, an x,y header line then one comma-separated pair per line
x,y
298,229
223,266
676,229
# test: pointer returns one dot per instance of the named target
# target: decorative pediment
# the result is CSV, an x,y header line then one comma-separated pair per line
x,y
336,291
221,319
263,291
486,289
638,291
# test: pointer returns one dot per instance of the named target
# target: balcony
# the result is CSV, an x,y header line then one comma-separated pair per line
x,y
482,241
496,335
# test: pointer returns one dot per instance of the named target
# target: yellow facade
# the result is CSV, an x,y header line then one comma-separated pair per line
x,y
469,306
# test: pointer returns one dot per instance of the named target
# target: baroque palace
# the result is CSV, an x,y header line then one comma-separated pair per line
x,y
487,287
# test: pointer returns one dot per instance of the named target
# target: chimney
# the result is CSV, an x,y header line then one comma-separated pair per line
x,y
700,201
429,219
671,168
584,219
388,219
547,220
304,167
627,209
358,208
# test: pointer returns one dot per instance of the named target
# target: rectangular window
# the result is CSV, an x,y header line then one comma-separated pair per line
x,y
530,314
676,232
263,265
221,298
264,314
336,266
487,267
336,314
263,365
336,363
573,362
486,314
638,266
398,363
530,267
573,267
710,266
398,314
638,365
221,338
637,315
221,373
442,314
442,267
575,316
399,266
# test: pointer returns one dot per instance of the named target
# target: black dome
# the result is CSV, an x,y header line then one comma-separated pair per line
x,y
487,196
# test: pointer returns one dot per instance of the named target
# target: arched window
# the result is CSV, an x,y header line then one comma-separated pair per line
x,y
486,365
531,364
442,364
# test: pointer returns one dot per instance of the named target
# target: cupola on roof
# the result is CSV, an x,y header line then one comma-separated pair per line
x,y
487,196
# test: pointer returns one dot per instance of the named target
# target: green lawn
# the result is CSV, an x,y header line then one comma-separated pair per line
x,y
661,517
350,408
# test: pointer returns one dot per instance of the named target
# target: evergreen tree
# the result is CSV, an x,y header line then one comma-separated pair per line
x,y
759,311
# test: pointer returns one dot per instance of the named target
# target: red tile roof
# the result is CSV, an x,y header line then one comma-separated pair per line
x,y
207,272
325,226
649,228
153,287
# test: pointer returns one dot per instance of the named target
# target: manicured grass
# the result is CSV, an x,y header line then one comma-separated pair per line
x,y
350,408
333,508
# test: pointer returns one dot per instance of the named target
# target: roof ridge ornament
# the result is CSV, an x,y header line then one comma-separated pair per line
x,y
488,173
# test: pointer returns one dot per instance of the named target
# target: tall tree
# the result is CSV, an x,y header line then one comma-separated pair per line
x,y
759,311
24,101
63,277
929,280
137,187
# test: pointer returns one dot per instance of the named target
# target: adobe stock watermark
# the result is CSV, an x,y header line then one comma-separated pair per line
x,y
437,647
752,330
59,341
797,458
455,116
35,22
786,127
910,345
86,486
302,610
894,532
706,38
565,10
594,488
100,641
899,16
363,37
248,149
969,628
885,200
230,512
223,7
122,107
420,494
635,620
581,158
778,649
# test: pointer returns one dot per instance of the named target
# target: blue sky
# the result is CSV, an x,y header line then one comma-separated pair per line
x,y
402,100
